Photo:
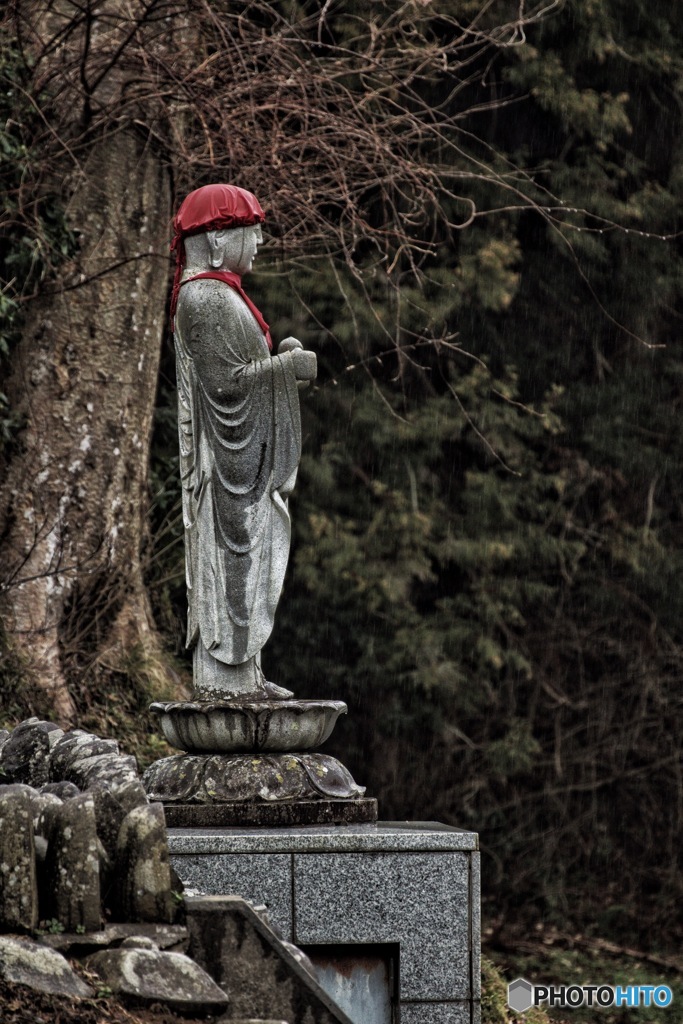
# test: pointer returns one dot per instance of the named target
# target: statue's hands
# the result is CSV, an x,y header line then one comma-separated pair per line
x,y
305,363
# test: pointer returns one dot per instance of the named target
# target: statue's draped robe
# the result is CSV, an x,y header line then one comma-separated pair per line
x,y
240,445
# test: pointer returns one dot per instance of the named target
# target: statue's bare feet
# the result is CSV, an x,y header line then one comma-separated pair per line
x,y
266,691
245,682
274,692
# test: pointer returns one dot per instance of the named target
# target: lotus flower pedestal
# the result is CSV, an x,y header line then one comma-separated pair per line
x,y
252,763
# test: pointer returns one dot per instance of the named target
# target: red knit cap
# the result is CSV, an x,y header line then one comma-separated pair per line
x,y
208,209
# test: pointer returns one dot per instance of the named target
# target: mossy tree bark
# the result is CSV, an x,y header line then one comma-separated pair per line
x,y
74,487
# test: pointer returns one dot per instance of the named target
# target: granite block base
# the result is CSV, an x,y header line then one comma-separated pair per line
x,y
410,887
296,812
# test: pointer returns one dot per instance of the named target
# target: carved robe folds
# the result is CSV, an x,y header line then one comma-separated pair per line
x,y
240,445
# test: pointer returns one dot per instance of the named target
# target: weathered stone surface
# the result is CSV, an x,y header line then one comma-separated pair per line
x,y
24,756
109,815
70,875
163,936
107,768
28,963
63,866
46,818
138,942
143,976
143,869
221,727
19,787
74,746
129,792
18,884
224,778
258,970
279,813
63,790
114,799
39,801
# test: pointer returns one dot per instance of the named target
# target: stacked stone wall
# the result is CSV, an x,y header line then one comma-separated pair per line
x,y
80,844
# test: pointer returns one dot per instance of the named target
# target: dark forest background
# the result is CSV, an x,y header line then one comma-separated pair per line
x,y
473,215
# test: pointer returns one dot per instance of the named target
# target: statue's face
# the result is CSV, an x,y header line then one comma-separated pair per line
x,y
253,237
235,248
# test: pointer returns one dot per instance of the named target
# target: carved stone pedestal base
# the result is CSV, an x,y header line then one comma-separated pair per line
x,y
267,815
249,762
249,778
234,727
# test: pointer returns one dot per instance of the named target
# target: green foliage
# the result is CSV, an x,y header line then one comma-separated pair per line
x,y
113,700
496,592
558,960
423,562
52,926
494,1008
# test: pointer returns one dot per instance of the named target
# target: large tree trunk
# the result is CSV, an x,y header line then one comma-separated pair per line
x,y
74,488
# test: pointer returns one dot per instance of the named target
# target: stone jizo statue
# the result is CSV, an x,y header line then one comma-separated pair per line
x,y
240,443
249,745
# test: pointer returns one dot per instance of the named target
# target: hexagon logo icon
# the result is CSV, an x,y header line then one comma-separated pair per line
x,y
520,995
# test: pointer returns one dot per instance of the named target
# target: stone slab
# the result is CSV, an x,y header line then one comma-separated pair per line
x,y
69,878
409,898
143,872
475,921
439,1013
383,836
140,977
263,975
263,879
164,936
18,883
295,812
25,962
